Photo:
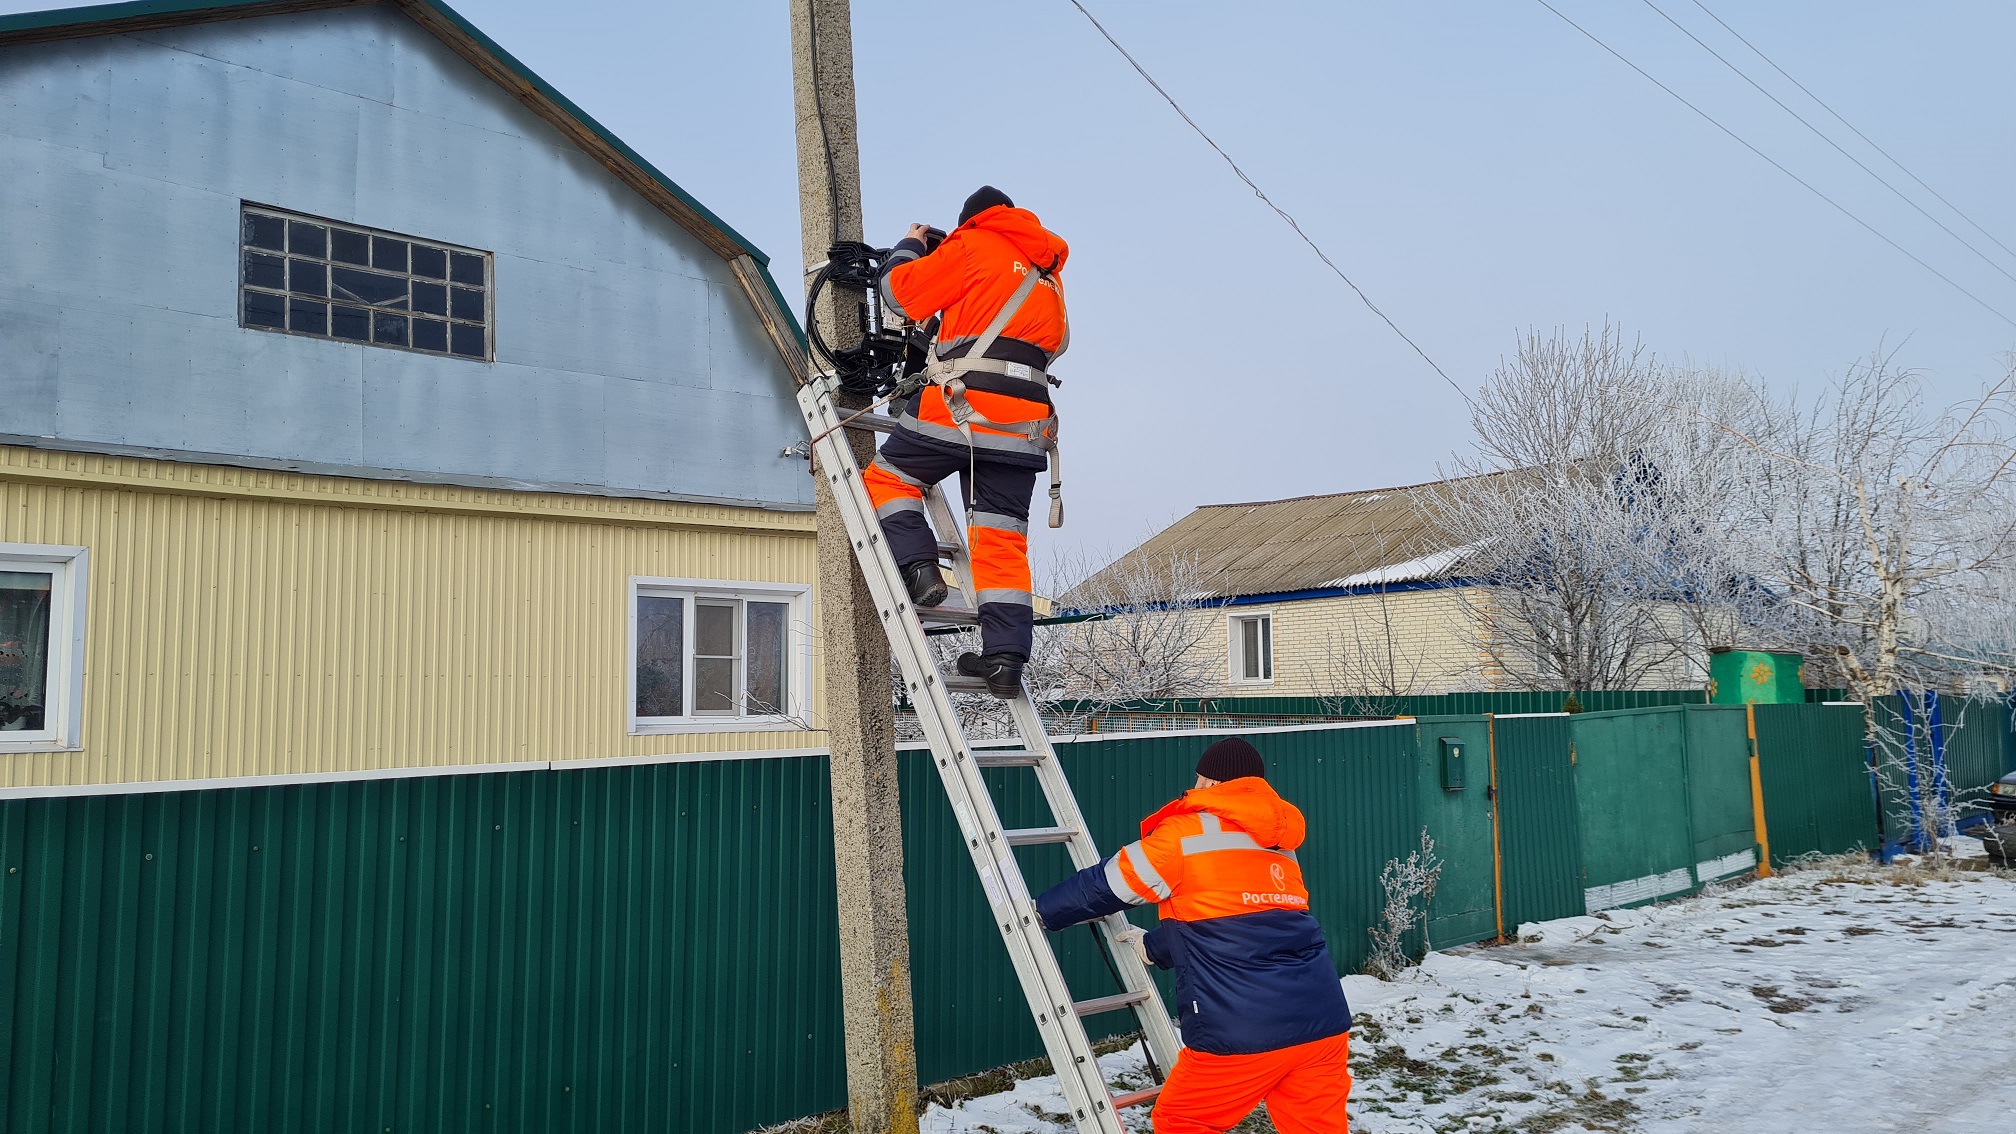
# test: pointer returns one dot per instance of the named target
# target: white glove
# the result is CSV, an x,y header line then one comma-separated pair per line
x,y
1138,939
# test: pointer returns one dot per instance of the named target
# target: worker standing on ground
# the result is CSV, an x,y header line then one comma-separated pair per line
x,y
985,415
1263,1015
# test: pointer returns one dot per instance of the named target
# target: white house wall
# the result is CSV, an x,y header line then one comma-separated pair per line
x,y
1316,641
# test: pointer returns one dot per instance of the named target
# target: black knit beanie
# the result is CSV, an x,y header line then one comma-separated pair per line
x,y
1230,759
983,198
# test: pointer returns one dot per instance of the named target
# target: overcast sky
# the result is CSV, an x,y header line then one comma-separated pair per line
x,y
1477,166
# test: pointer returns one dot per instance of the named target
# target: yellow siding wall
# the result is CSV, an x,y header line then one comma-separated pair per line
x,y
250,623
1339,645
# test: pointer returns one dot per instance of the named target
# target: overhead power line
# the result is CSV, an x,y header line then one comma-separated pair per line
x,y
1820,134
1268,201
1759,52
1740,140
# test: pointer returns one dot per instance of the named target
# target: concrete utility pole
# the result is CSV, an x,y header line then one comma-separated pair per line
x,y
860,724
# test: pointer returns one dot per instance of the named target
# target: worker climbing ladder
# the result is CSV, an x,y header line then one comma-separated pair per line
x,y
1095,1108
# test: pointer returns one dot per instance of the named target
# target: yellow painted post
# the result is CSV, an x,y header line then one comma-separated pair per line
x,y
1757,797
1497,856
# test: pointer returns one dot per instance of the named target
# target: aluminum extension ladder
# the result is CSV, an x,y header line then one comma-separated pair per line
x,y
1095,1108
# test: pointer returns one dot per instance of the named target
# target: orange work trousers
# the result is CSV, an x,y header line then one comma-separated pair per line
x,y
1303,1086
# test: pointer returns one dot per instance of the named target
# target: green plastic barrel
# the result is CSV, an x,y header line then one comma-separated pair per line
x,y
1755,677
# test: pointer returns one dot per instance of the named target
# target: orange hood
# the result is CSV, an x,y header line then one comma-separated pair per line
x,y
1248,803
1019,227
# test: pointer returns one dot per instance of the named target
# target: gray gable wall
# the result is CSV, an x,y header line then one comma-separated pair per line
x,y
628,361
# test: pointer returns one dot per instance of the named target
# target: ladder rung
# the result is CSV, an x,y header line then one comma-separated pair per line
x,y
948,616
960,683
1136,1098
873,423
1006,759
1113,1003
1036,836
947,550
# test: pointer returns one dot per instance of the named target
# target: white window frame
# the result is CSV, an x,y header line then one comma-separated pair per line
x,y
1235,656
797,647
63,707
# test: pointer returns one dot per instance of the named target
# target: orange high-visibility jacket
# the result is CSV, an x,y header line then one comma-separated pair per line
x,y
966,281
1253,972
1196,865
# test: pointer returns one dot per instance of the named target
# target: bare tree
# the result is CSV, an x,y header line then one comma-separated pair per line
x,y
1874,515
1138,629
1888,531
1580,514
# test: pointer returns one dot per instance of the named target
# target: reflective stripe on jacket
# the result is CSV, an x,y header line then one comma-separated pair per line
x,y
1253,972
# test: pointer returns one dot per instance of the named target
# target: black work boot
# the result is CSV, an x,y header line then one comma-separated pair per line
x,y
926,583
1002,672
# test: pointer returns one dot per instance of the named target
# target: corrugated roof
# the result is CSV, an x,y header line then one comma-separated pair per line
x,y
1375,537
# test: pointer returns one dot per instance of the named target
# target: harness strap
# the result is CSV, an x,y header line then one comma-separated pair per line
x,y
1041,433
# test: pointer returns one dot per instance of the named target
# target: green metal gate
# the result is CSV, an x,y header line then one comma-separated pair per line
x,y
1539,817
1459,819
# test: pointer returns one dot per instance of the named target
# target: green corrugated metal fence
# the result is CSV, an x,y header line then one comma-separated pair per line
x,y
1637,822
1975,736
655,947
1355,785
639,948
1813,762
1722,815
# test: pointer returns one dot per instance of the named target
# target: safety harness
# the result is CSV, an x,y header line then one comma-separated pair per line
x,y
948,374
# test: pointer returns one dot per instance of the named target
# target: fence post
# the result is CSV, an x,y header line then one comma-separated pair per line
x,y
1757,795
1497,854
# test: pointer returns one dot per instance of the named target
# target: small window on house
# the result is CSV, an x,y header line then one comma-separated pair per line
x,y
712,655
308,276
1252,652
41,646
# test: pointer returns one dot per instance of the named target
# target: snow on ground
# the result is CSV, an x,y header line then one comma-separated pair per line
x,y
1848,998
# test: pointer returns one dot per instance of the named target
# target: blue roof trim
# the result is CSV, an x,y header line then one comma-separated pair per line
x,y
1074,614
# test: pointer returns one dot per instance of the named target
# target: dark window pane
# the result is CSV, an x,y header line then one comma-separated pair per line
x,y
766,657
307,239
430,334
265,232
430,297
349,247
262,270
25,639
388,329
309,277
388,254
368,287
713,685
430,262
350,322
713,630
304,315
661,657
468,340
468,269
263,310
468,304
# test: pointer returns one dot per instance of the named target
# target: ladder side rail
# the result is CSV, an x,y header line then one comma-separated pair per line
x,y
1158,1031
1044,987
